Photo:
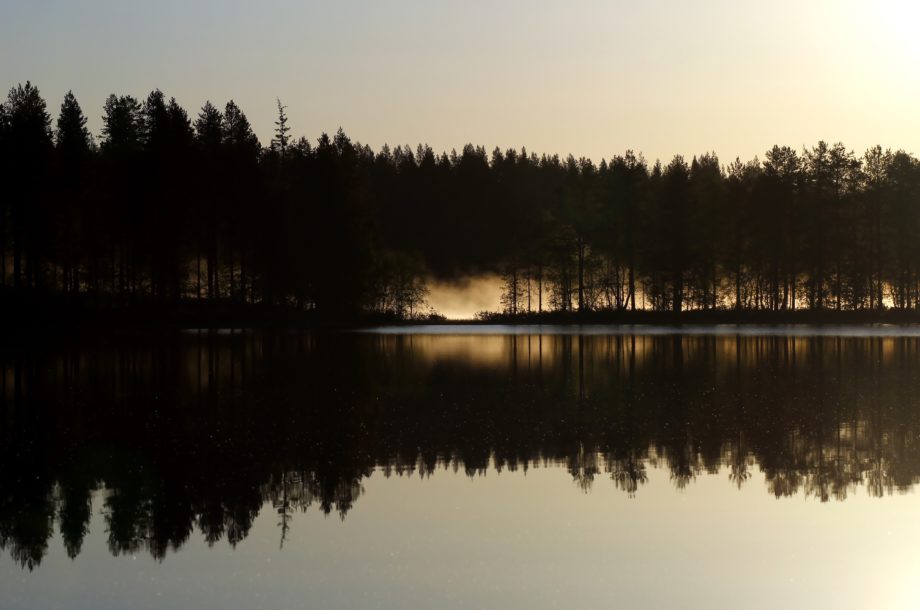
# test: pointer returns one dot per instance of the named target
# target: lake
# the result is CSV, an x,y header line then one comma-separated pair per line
x,y
463,467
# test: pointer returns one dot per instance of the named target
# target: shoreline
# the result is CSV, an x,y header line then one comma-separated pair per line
x,y
45,316
84,312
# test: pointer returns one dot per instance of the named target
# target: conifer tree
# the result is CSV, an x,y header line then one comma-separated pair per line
x,y
72,138
280,142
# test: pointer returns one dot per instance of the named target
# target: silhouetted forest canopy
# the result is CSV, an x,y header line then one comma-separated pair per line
x,y
169,207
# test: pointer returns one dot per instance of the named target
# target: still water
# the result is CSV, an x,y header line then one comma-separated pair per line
x,y
474,469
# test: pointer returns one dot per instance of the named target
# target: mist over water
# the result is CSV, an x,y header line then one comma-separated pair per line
x,y
690,330
463,298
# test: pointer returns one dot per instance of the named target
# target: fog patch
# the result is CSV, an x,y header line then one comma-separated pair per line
x,y
463,298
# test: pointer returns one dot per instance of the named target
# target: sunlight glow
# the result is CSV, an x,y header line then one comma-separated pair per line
x,y
896,32
900,18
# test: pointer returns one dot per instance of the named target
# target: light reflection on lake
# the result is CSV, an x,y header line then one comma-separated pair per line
x,y
464,470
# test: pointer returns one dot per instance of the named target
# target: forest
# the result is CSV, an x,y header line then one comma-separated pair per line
x,y
167,208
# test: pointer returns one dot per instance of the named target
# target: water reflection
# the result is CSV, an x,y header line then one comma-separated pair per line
x,y
199,431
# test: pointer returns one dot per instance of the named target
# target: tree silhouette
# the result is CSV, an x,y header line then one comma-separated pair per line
x,y
281,140
72,138
167,211
28,148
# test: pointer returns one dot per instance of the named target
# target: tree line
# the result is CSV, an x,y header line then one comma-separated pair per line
x,y
171,207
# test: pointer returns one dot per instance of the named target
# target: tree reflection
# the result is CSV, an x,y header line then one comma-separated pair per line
x,y
203,432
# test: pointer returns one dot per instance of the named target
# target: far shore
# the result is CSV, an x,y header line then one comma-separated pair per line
x,y
85,314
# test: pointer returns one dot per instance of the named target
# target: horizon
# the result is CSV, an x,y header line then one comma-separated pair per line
x,y
266,144
721,78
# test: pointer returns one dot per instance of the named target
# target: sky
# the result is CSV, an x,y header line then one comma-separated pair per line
x,y
582,77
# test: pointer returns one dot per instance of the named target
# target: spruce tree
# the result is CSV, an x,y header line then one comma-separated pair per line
x,y
71,136
280,143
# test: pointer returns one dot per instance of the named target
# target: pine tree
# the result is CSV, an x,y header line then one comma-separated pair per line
x,y
121,125
238,134
280,143
28,136
209,128
155,122
74,145
72,137
179,130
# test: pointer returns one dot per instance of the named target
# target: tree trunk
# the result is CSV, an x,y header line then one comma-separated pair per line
x,y
678,292
632,284
738,287
17,262
540,290
581,275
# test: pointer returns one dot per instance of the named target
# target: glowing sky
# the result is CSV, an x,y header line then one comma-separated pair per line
x,y
590,78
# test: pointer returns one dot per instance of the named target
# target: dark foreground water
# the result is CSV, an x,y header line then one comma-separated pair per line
x,y
388,470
